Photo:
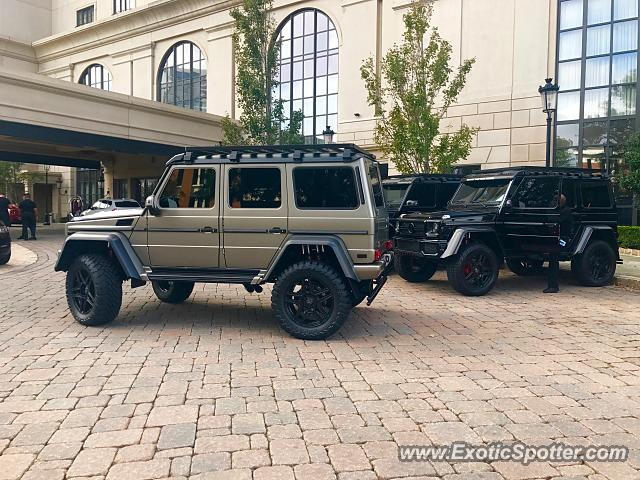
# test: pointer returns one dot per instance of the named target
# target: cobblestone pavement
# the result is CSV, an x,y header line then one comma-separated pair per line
x,y
212,389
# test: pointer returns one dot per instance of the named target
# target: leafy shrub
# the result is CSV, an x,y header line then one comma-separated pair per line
x,y
629,237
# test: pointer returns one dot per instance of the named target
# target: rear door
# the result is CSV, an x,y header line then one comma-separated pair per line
x,y
186,232
531,224
255,215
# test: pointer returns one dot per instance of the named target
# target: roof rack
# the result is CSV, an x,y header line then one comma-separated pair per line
x,y
346,151
538,170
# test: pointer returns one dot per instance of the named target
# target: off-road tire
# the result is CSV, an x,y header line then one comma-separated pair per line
x,y
463,266
106,279
318,273
525,267
4,259
596,266
172,292
414,269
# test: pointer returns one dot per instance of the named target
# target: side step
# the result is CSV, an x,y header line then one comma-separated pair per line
x,y
214,275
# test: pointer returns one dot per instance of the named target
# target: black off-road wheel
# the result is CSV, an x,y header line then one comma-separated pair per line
x,y
311,300
596,266
4,259
525,267
172,292
94,289
474,272
414,269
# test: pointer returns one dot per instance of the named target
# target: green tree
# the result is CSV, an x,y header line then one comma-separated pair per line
x,y
11,178
412,92
629,175
263,120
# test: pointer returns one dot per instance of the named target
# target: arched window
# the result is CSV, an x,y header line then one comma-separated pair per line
x,y
308,70
96,76
182,79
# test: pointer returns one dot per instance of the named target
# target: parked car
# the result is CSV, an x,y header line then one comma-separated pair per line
x,y
309,219
14,214
514,214
5,244
110,204
417,193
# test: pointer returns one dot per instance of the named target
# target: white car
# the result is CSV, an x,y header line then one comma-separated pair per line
x,y
110,204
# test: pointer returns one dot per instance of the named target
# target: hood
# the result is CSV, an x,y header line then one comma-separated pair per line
x,y
455,216
121,213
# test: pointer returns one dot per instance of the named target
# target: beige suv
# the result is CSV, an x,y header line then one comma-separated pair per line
x,y
309,219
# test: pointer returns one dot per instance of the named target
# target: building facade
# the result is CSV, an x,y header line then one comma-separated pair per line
x,y
179,54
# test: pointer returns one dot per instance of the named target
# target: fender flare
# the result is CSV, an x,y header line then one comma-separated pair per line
x,y
586,235
455,242
332,241
117,242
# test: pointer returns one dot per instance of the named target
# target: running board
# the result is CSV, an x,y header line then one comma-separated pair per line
x,y
203,276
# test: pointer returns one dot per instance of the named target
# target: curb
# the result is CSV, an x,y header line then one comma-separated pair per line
x,y
630,251
632,283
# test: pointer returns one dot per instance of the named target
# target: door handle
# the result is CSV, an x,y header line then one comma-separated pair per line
x,y
208,230
276,230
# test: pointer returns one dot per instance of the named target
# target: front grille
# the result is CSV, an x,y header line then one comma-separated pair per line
x,y
412,229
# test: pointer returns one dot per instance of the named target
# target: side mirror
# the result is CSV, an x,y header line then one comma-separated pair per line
x,y
411,203
151,205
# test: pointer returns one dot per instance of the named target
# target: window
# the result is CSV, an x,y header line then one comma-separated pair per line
x,y
569,192
424,194
96,76
123,5
597,70
376,185
325,188
595,195
308,71
255,188
182,79
481,192
537,193
189,188
84,16
127,204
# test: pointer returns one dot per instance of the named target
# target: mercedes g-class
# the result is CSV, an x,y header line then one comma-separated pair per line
x,y
309,219
518,215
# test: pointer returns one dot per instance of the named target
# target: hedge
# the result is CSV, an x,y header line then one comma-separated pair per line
x,y
629,237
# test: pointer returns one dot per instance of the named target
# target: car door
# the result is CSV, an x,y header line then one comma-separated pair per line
x,y
186,232
255,215
530,220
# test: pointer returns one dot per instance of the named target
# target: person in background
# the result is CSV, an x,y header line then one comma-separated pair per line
x,y
29,212
4,209
566,227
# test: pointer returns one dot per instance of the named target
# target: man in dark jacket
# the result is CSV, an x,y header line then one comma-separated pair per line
x,y
565,232
4,209
29,212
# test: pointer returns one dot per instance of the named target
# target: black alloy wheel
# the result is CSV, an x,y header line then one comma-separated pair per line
x,y
475,270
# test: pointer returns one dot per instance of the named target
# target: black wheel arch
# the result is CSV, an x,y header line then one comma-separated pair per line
x,y
468,235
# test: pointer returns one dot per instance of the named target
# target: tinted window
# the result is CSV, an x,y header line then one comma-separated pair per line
x,y
445,192
537,193
424,194
595,195
255,188
376,185
127,204
569,192
189,188
325,188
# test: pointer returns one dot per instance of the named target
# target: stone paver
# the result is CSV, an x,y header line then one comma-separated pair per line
x,y
212,389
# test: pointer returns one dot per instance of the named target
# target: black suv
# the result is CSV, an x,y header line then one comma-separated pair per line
x,y
522,215
417,193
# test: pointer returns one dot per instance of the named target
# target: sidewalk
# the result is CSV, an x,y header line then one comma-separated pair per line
x,y
628,274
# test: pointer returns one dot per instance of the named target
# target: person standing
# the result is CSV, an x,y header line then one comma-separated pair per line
x,y
29,212
565,225
4,209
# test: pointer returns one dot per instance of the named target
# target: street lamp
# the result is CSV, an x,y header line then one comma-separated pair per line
x,y
46,195
549,96
328,135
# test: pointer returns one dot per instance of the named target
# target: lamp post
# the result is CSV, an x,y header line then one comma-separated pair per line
x,y
328,134
549,97
46,195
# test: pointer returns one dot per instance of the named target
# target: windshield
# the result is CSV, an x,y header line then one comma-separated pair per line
x,y
481,192
394,193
